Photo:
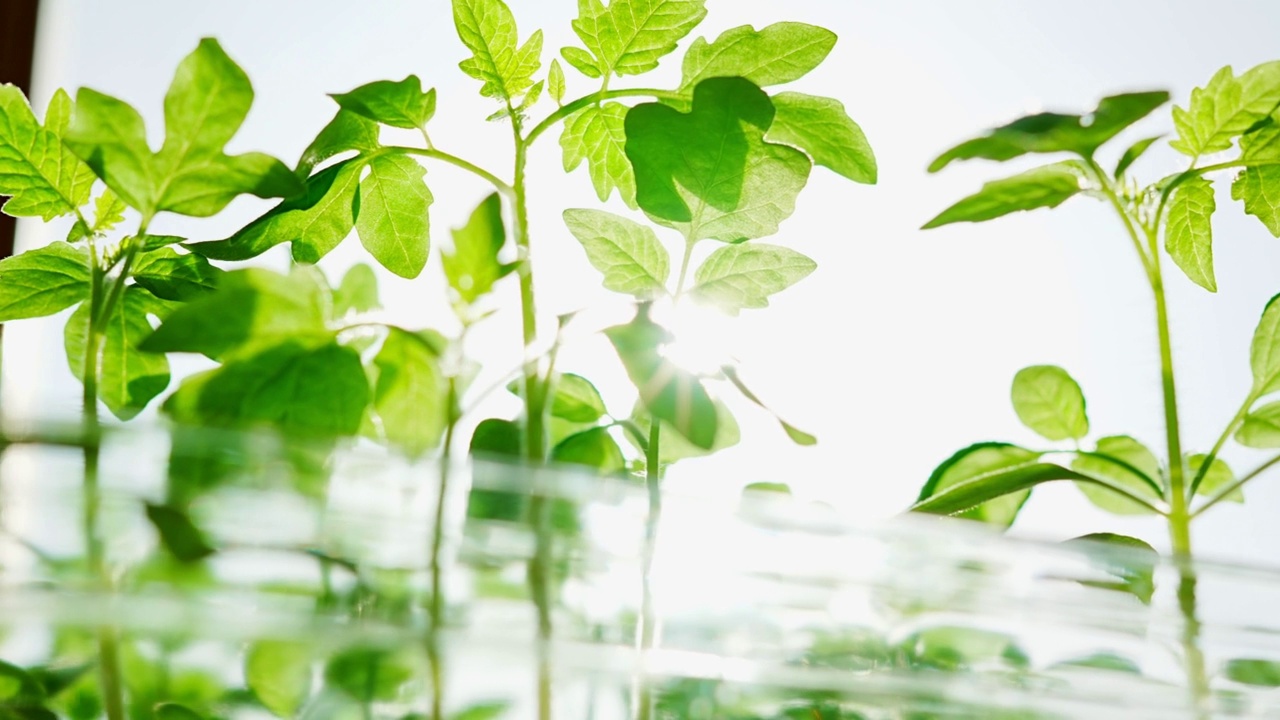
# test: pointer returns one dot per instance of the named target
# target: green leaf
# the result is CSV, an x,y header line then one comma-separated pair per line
x,y
170,276
778,54
279,674
1264,352
411,395
744,276
496,438
1131,561
1132,153
191,175
42,177
400,104
315,222
629,37
629,254
1259,673
297,388
128,378
1226,107
1137,469
674,447
174,711
481,711
593,448
1261,427
1050,402
1189,233
953,649
821,127
392,222
597,134
1259,189
980,468
582,61
346,132
709,173
1100,661
669,392
1056,132
151,243
555,82
43,281
369,674
250,309
1217,477
576,400
179,534
473,267
1047,186
488,29
358,292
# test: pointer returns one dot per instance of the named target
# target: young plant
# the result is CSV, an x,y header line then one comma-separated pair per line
x,y
1232,113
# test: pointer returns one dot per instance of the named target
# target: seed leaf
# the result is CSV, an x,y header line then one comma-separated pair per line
x,y
593,448
1225,108
1132,153
735,277
279,674
776,55
488,29
1126,462
42,177
1264,352
473,266
170,276
358,292
1057,132
411,395
597,134
400,104
128,378
1189,234
629,37
191,175
629,254
821,127
392,222
977,477
1049,401
347,131
1261,427
43,281
709,173
179,534
1047,186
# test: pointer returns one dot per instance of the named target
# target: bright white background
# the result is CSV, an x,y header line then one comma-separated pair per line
x,y
900,348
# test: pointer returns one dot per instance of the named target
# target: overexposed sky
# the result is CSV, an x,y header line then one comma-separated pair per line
x,y
901,347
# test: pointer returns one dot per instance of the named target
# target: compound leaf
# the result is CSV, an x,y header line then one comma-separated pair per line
x,y
629,37
597,134
629,254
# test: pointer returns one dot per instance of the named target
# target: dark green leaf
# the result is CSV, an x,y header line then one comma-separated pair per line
x,y
358,292
18,687
170,276
41,176
821,127
1132,154
1259,673
1047,186
400,104
369,674
473,267
629,37
279,674
1261,427
1056,132
346,132
1226,107
1189,234
411,396
488,29
594,448
776,55
43,281
597,134
629,254
1049,401
710,173
1125,462
1264,353
392,222
743,276
174,711
128,378
1000,504
179,534
494,437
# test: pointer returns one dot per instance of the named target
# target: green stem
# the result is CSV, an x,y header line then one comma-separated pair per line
x,y
1226,492
643,694
454,160
434,655
1222,440
572,107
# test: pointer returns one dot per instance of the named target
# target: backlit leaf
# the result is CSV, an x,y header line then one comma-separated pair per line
x,y
972,465
42,177
43,281
179,534
170,276
744,276
358,292
597,134
411,393
674,447
629,254
1258,673
279,674
776,55
594,448
473,266
555,82
1226,107
1261,427
821,127
1217,477
400,104
1189,233
629,37
392,223
1047,186
1050,402
128,378
1264,352
1126,462
488,29
346,132
1132,154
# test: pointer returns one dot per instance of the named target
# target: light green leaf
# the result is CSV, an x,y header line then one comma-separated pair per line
x,y
821,127
346,132
629,37
999,483
1189,234
1264,352
1226,107
1050,402
597,134
531,97
1132,153
1129,560
1109,662
1057,132
411,396
473,267
488,29
151,243
57,116
778,54
369,674
392,222
1261,427
555,82
1137,469
1217,477
250,309
358,292
1259,189
314,223
279,674
171,276
674,447
582,61
594,448
128,378
108,211
43,281
1047,186
629,254
709,173
481,711
42,177
1258,673
744,276
576,400
175,711
985,466
400,104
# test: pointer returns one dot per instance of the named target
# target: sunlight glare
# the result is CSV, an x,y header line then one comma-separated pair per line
x,y
702,339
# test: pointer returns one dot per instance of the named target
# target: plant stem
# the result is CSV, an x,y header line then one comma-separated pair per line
x,y
1222,440
434,655
572,107
1227,491
454,160
642,695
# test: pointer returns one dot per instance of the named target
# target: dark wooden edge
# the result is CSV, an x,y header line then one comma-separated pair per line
x,y
17,51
